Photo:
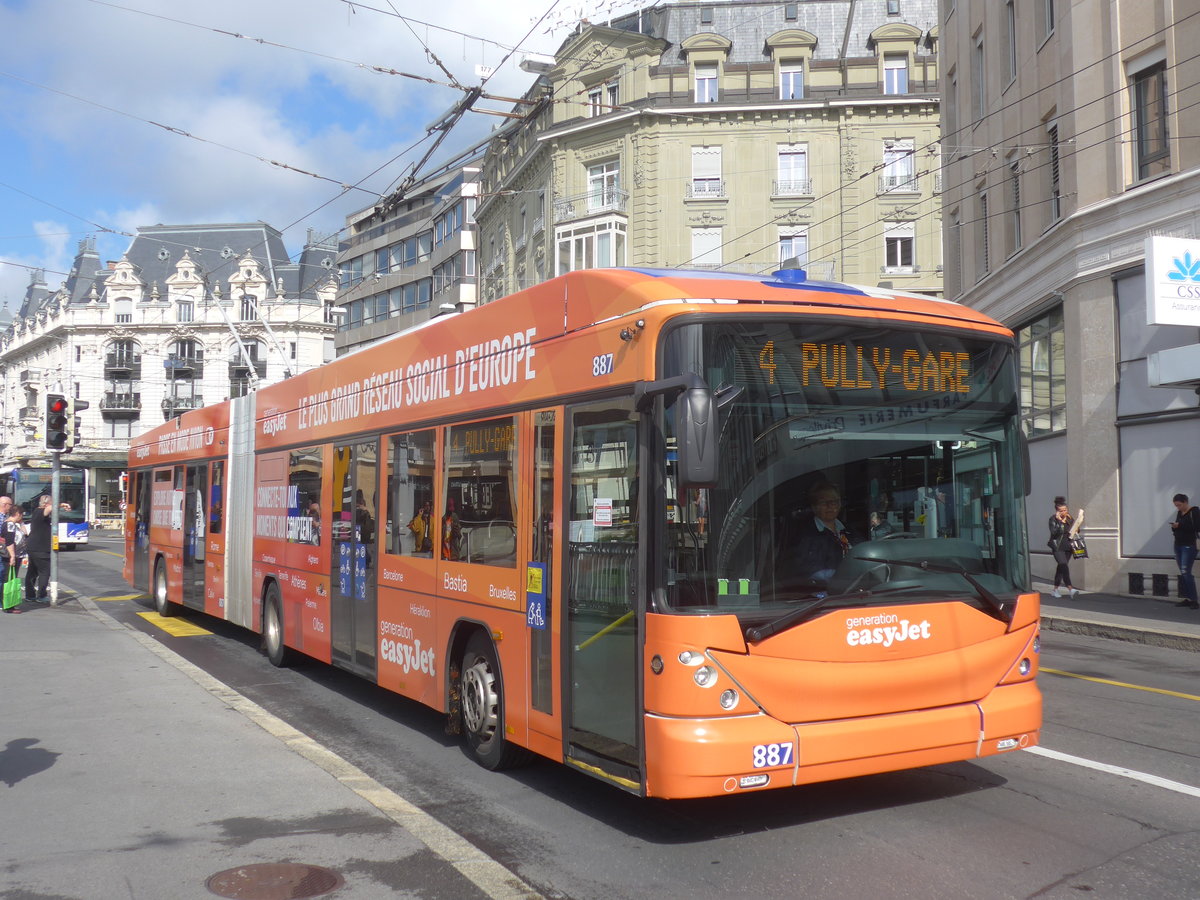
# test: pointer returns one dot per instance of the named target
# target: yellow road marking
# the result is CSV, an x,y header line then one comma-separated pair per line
x,y
173,626
109,552
123,597
1133,687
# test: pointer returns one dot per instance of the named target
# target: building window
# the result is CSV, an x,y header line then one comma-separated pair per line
x,y
1041,349
706,84
604,185
706,248
599,244
1055,184
1014,213
706,173
706,15
595,101
953,279
1010,37
1150,121
120,429
185,311
898,240
978,88
448,224
983,240
893,7
792,168
895,74
448,273
793,248
791,81
791,11
480,478
123,310
78,353
899,167
249,308
1048,17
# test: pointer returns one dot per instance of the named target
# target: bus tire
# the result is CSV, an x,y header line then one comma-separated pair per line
x,y
483,707
279,654
162,597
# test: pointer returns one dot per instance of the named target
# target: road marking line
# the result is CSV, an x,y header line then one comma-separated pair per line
x,y
1155,780
141,596
109,552
173,626
1132,687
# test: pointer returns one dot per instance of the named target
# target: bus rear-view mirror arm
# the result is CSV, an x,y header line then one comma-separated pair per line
x,y
696,435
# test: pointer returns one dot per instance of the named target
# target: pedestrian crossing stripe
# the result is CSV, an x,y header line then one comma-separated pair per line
x,y
174,627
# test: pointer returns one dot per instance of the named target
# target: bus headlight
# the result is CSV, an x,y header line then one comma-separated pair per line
x,y
690,657
729,699
1025,666
706,676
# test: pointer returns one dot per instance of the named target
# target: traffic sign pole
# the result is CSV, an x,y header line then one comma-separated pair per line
x,y
55,485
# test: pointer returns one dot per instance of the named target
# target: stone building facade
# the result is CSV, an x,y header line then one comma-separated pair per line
x,y
727,136
189,315
1067,144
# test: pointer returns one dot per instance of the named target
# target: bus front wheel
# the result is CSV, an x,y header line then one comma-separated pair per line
x,y
277,651
162,598
483,707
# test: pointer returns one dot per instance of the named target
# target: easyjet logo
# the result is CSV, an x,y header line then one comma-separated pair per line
x,y
275,424
888,629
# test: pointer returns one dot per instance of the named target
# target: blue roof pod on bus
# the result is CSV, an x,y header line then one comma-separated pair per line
x,y
784,278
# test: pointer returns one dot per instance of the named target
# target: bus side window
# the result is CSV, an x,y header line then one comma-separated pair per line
x,y
412,524
216,504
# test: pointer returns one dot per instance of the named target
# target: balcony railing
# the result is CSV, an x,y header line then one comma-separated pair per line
x,y
117,404
907,183
184,366
241,369
706,189
118,362
589,204
538,226
795,187
175,405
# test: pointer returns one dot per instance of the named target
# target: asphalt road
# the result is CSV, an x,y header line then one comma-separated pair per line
x,y
1024,825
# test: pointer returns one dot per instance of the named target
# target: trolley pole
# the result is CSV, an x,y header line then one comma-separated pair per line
x,y
55,481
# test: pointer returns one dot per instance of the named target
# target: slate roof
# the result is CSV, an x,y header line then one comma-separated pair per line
x,y
749,24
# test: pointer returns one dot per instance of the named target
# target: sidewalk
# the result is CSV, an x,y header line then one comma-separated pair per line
x,y
128,772
1155,621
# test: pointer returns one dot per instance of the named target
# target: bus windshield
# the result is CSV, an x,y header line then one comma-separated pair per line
x,y
859,464
28,485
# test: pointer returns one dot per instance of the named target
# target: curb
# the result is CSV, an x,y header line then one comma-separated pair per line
x,y
1173,640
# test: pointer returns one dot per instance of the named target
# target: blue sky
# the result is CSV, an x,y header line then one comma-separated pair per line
x,y
81,81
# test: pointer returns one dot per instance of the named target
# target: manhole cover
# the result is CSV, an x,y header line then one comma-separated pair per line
x,y
274,881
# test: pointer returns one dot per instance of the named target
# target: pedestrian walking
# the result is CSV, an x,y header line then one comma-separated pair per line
x,y
37,550
1185,529
12,548
1063,527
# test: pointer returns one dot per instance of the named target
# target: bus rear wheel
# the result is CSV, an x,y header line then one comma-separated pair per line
x,y
483,707
278,652
162,598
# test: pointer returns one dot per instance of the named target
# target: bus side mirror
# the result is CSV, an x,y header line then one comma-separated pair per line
x,y
696,438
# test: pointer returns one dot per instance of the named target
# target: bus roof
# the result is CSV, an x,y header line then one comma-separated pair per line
x,y
493,355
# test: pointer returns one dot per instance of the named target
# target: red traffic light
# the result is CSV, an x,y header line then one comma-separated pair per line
x,y
58,405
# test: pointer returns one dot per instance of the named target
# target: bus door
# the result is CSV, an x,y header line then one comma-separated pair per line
x,y
353,529
194,535
140,498
541,587
603,643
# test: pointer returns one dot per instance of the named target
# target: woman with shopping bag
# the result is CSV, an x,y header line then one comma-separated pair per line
x,y
14,535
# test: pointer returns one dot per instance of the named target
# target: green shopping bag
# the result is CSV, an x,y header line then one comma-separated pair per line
x,y
12,590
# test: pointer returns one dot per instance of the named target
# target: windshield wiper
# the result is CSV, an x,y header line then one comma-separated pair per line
x,y
996,606
796,616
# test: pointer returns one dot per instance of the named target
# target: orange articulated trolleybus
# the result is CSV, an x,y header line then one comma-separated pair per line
x,y
689,532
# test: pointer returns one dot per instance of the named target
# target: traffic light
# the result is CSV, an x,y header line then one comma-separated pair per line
x,y
74,423
58,417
